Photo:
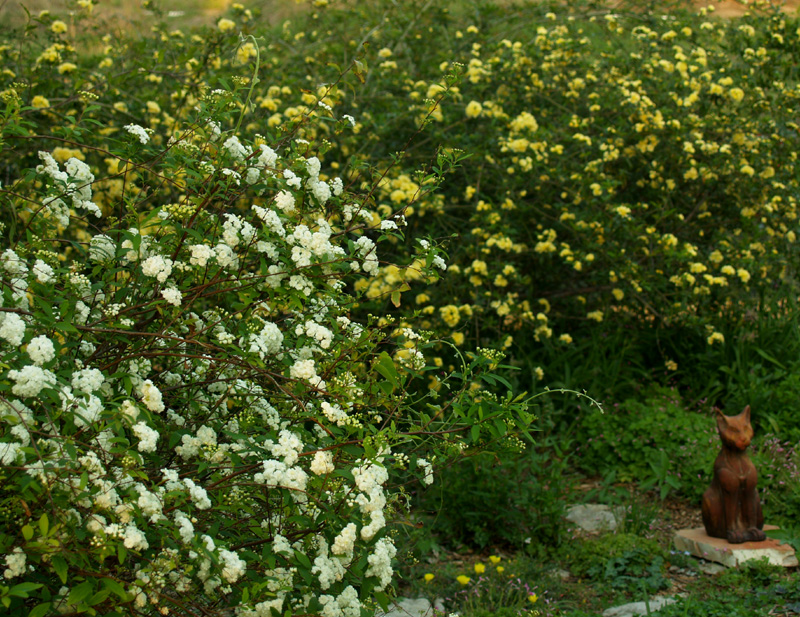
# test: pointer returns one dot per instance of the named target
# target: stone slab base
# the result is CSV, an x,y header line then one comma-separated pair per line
x,y
700,544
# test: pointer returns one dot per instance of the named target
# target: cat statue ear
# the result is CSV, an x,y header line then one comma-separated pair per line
x,y
746,413
722,419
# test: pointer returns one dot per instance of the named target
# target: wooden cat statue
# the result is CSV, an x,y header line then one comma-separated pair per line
x,y
731,507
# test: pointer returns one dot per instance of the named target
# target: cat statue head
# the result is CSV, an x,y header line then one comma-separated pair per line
x,y
735,431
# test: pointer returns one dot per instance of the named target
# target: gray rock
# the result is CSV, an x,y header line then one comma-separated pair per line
x,y
592,517
411,607
638,608
710,568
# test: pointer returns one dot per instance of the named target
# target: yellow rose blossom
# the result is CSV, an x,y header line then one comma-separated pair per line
x,y
474,109
385,53
743,274
153,107
39,102
715,337
66,67
450,315
595,315
671,365
737,94
58,27
458,338
565,338
538,372
226,25
618,294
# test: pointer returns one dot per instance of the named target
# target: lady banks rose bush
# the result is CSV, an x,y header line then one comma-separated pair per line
x,y
192,420
630,171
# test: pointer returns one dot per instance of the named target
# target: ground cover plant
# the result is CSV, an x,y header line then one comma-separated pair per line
x,y
262,283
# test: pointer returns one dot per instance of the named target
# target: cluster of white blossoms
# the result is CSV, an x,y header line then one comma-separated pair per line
x,y
139,132
75,182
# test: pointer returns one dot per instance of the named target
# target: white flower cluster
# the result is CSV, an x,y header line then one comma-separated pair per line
x,y
267,342
346,604
151,396
427,470
75,182
235,148
12,329
380,562
322,463
148,437
158,267
31,380
15,562
138,131
320,333
306,371
370,478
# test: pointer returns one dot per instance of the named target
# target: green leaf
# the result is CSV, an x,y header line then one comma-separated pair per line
x,y
21,590
385,366
122,553
40,611
476,432
302,560
396,299
61,567
116,588
44,524
80,593
27,532
99,597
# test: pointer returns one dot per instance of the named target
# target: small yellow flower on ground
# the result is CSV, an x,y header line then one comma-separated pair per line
x,y
495,559
463,579
500,569
428,577
532,598
480,568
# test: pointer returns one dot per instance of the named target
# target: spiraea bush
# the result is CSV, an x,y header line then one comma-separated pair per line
x,y
193,418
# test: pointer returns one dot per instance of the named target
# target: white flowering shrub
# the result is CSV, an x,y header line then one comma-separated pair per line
x,y
193,419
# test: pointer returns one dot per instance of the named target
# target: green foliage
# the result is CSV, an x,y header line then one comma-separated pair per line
x,y
624,562
514,500
652,439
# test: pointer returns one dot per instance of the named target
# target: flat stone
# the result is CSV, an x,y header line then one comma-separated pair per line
x,y
410,607
592,517
639,608
700,544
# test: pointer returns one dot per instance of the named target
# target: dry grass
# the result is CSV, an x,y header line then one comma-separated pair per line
x,y
187,13
183,13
